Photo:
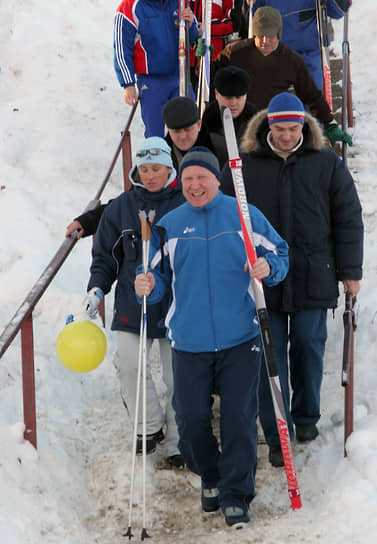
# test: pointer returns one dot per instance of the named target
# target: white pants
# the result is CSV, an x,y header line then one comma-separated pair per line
x,y
126,363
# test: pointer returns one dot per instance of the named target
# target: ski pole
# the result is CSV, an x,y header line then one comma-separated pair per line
x,y
205,59
250,25
347,111
183,53
146,222
235,164
323,37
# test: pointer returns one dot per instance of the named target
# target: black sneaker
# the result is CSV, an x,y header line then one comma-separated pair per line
x,y
275,456
176,461
210,499
151,442
306,432
235,516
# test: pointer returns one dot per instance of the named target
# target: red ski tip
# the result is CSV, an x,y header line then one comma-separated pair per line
x,y
296,502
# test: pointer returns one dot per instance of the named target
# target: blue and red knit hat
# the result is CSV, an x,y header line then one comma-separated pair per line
x,y
285,107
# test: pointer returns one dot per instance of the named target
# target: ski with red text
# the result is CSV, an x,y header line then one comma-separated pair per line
x,y
235,164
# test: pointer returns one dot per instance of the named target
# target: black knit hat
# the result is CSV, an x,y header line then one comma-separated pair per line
x,y
267,22
232,81
180,112
200,156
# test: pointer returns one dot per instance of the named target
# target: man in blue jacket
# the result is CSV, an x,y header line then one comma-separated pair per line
x,y
146,48
213,329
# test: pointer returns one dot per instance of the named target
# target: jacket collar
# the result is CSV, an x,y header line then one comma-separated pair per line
x,y
255,136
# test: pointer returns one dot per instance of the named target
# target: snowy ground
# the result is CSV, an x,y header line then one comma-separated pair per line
x,y
62,113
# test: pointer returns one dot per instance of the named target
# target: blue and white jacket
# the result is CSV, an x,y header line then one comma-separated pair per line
x,y
212,306
146,38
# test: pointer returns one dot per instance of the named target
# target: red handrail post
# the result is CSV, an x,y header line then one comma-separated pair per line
x,y
28,381
126,160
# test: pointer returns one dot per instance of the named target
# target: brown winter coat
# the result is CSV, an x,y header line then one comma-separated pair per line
x,y
282,70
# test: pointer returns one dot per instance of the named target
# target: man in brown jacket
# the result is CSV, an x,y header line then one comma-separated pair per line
x,y
274,68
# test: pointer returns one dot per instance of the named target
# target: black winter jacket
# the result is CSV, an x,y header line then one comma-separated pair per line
x,y
311,200
117,251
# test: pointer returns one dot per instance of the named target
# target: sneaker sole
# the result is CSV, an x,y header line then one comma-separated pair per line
x,y
210,510
239,525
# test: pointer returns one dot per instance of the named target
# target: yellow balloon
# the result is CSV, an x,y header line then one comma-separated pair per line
x,y
81,346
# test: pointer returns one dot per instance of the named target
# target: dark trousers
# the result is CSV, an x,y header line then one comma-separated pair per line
x,y
234,374
306,333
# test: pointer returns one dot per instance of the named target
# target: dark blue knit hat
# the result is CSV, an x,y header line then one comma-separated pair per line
x,y
285,107
200,156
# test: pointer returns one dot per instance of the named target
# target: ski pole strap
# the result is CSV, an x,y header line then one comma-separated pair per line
x,y
160,232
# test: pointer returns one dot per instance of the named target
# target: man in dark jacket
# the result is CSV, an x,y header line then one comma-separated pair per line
x,y
308,195
231,87
300,29
274,67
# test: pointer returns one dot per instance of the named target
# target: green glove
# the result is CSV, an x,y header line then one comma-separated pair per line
x,y
335,134
201,48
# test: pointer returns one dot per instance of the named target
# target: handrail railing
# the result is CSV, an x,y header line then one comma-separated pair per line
x,y
22,319
349,314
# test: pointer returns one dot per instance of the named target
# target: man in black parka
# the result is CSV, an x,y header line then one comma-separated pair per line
x,y
309,196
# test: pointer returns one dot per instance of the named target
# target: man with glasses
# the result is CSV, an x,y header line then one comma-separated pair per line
x,y
274,68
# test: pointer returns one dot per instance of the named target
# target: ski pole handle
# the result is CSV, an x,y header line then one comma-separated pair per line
x,y
146,223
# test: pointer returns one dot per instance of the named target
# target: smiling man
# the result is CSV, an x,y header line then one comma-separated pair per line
x,y
213,330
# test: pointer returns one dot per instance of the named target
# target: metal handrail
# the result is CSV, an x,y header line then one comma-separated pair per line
x,y
349,313
23,318
52,268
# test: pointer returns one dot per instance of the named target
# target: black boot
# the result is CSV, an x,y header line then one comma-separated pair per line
x,y
306,432
151,442
176,461
275,456
210,499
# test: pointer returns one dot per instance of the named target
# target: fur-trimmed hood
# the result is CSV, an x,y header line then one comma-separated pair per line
x,y
254,138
